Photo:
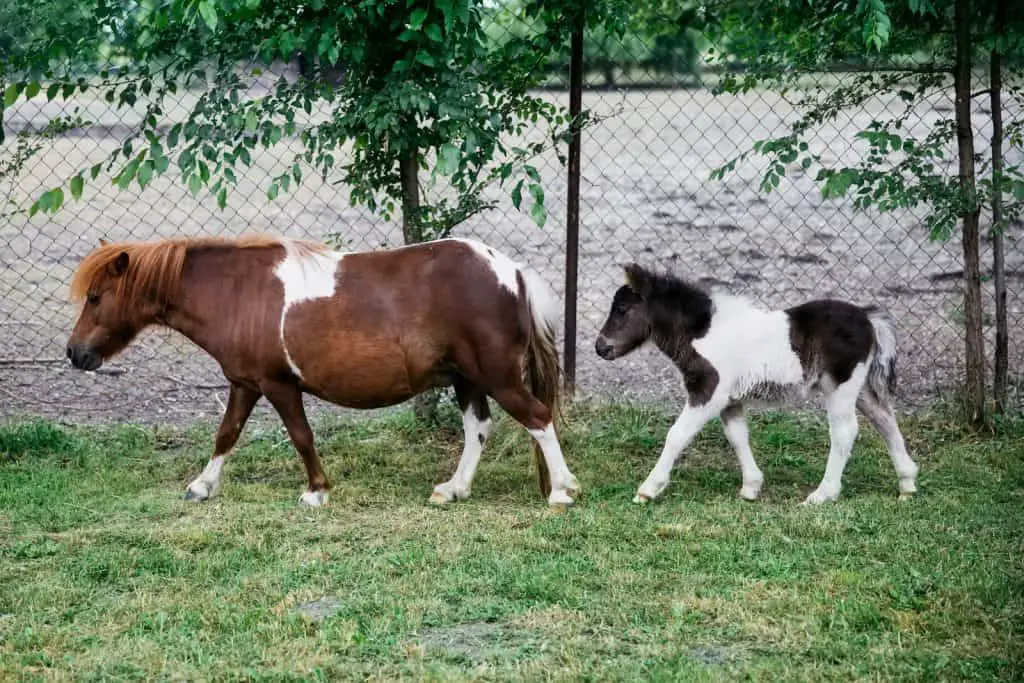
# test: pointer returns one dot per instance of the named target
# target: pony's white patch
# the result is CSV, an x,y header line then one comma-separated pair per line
x,y
306,273
460,485
504,268
563,483
314,499
207,484
749,347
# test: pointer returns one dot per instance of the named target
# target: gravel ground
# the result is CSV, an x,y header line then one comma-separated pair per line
x,y
645,197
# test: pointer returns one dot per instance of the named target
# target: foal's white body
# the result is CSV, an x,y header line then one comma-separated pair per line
x,y
750,349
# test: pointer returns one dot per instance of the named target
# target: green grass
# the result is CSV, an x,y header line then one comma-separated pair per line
x,y
105,573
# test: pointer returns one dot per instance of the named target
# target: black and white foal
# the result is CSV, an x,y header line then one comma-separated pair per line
x,y
732,352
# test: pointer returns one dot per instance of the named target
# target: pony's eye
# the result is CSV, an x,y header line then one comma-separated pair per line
x,y
93,299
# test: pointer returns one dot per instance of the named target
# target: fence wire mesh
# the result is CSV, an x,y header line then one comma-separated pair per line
x,y
646,196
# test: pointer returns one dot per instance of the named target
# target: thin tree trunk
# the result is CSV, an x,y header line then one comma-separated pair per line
x,y
424,406
974,390
1002,350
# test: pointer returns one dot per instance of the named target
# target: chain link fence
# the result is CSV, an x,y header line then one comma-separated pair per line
x,y
646,196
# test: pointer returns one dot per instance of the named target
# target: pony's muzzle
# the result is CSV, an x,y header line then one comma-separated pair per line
x,y
84,358
604,349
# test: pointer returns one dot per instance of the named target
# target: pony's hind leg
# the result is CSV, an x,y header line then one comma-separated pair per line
x,y
240,405
734,425
476,426
683,430
287,401
842,430
530,412
880,414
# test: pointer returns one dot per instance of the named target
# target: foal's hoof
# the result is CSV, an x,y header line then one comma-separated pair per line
x,y
750,493
641,499
560,499
820,497
438,498
314,499
906,495
193,497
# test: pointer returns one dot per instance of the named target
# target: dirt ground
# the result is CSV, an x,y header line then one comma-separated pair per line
x,y
646,197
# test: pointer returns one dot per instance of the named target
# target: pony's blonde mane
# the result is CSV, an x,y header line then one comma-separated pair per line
x,y
154,268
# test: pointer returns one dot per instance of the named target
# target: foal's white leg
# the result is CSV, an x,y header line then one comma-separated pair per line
x,y
842,429
207,484
687,425
563,483
881,416
735,427
461,483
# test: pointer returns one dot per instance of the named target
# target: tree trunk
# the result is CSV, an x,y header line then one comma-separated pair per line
x,y
974,389
1002,350
424,406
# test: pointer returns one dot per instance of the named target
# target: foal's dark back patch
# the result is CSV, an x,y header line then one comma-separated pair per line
x,y
830,336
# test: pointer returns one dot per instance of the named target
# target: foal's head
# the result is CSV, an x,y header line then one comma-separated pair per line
x,y
652,306
124,288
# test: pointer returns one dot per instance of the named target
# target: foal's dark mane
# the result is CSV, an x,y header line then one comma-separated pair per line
x,y
678,308
154,268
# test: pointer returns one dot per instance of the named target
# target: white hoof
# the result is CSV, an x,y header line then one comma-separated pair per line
x,y
819,497
906,495
448,493
314,499
750,491
572,486
908,487
641,499
200,490
560,497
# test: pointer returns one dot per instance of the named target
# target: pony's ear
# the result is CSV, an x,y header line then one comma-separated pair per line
x,y
119,265
103,242
638,279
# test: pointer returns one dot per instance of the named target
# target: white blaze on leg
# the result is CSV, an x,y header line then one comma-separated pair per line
x,y
842,430
314,499
461,484
306,273
687,425
563,483
735,427
207,484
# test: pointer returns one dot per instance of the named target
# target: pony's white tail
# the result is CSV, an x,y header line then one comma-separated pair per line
x,y
543,371
882,373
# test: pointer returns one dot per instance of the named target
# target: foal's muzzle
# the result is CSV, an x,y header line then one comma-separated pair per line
x,y
84,358
604,349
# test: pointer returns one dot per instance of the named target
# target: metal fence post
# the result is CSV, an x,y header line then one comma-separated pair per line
x,y
572,220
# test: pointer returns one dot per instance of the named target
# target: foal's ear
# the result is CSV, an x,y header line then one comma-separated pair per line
x,y
638,279
119,265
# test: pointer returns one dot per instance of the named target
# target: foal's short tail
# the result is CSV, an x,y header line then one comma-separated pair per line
x,y
882,373
543,372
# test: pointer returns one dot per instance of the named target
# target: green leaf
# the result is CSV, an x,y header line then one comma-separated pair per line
x,y
433,32
448,159
11,94
417,17
32,89
272,191
95,170
222,197
195,183
425,58
145,173
517,194
209,13
77,184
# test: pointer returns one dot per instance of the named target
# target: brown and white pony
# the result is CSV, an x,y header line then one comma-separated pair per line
x,y
362,330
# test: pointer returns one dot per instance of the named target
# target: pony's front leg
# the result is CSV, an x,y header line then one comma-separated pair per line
x,y
240,405
287,401
476,426
687,425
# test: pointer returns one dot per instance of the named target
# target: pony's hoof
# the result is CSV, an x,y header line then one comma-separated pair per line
x,y
199,491
448,493
906,495
438,498
641,499
573,488
314,499
820,497
560,498
750,492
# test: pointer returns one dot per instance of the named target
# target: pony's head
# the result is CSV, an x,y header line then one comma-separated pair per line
x,y
123,287
628,324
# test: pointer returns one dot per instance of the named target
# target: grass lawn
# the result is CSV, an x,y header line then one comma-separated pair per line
x,y
106,573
